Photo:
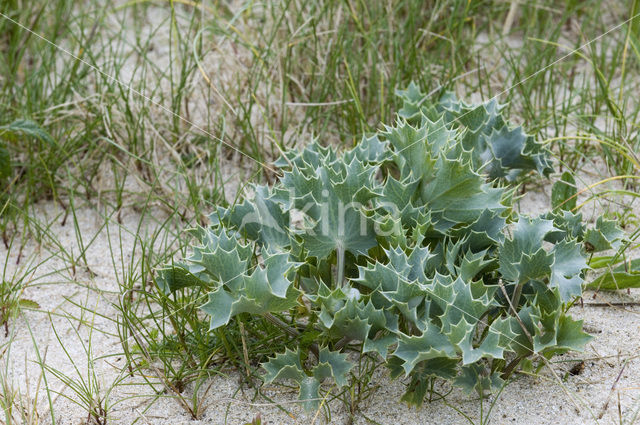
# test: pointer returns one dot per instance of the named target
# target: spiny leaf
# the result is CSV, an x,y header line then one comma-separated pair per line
x,y
333,364
568,226
261,219
570,335
486,231
414,158
565,272
459,299
339,194
413,266
460,194
288,365
431,344
474,377
522,257
412,98
285,365
257,293
397,199
513,151
370,149
496,149
605,235
309,393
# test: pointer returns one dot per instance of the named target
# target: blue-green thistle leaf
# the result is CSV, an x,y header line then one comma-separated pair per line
x,y
605,235
522,257
568,226
459,299
475,377
460,194
254,294
400,246
285,365
430,345
333,364
309,393
412,98
570,335
370,149
567,265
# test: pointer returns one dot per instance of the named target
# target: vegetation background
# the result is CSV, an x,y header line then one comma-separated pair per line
x,y
122,123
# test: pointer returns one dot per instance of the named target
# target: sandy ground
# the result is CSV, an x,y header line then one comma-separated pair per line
x,y
77,314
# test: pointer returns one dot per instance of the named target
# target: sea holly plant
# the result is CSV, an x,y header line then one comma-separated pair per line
x,y
405,249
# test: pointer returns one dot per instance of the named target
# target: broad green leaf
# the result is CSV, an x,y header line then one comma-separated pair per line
x,y
171,279
27,128
570,335
620,274
616,280
563,193
27,303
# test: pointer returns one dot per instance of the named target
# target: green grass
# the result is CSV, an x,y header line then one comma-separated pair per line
x,y
159,109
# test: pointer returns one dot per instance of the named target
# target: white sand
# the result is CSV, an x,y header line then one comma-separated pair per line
x,y
580,399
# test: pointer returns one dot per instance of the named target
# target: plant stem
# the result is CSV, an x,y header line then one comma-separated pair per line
x,y
516,297
508,370
291,331
340,271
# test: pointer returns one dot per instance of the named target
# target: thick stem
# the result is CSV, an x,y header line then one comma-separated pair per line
x,y
515,299
508,370
342,343
340,271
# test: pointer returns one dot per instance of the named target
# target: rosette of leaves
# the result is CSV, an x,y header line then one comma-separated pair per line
x,y
405,248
